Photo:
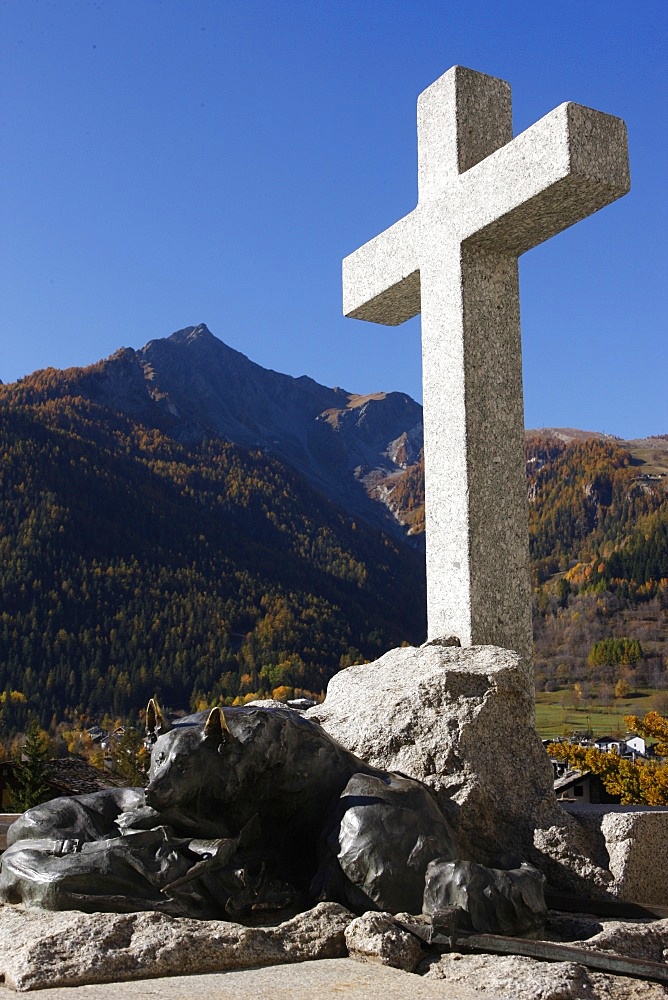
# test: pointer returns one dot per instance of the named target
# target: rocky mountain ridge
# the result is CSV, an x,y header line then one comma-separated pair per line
x,y
364,452
193,386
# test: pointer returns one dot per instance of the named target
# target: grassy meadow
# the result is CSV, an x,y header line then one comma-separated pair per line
x,y
556,715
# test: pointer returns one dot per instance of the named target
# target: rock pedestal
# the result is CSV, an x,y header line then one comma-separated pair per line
x,y
463,722
460,720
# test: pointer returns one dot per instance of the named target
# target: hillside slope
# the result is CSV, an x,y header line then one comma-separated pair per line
x,y
598,532
133,564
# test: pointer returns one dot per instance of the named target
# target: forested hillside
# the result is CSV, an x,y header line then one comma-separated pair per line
x,y
131,564
598,531
142,553
591,502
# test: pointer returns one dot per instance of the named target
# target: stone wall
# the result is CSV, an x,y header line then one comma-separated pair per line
x,y
635,842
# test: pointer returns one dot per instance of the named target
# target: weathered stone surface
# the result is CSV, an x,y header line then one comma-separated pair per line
x,y
461,721
324,979
635,840
622,850
483,199
40,950
376,937
527,979
571,856
632,939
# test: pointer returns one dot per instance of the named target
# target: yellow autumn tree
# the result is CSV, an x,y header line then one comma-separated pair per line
x,y
651,726
637,782
282,693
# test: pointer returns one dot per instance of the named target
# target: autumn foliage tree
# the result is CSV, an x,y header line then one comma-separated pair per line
x,y
637,782
130,757
651,726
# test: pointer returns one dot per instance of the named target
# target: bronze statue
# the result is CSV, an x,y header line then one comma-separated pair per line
x,y
250,814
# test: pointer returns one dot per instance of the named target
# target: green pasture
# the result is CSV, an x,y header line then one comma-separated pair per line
x,y
553,718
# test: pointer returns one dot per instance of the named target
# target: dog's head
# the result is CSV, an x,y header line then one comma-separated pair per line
x,y
185,758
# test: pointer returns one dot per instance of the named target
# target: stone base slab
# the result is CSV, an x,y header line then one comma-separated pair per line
x,y
150,955
324,979
42,950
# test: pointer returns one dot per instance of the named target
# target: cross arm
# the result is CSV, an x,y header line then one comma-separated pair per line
x,y
565,167
381,280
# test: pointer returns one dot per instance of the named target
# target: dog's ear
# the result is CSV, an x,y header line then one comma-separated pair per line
x,y
215,727
156,723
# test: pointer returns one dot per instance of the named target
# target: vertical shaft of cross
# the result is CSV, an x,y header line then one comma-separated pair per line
x,y
476,524
484,199
462,118
472,385
500,599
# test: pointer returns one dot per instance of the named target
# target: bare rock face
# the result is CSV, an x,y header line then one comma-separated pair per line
x,y
39,950
376,937
460,720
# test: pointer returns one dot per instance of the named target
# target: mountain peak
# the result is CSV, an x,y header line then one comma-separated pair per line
x,y
190,334
193,386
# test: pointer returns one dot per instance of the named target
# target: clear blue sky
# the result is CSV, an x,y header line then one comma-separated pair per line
x,y
171,162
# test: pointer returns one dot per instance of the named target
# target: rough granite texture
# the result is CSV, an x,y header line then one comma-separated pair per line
x,y
483,199
527,979
322,979
376,937
637,939
41,949
636,845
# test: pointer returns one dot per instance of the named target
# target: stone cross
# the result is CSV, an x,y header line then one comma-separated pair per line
x,y
484,198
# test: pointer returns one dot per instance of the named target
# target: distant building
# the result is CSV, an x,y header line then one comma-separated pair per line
x,y
637,745
96,733
630,746
583,786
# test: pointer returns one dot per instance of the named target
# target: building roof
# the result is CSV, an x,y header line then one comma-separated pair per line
x,y
73,775
568,779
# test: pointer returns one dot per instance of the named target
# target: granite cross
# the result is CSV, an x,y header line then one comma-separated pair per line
x,y
484,198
